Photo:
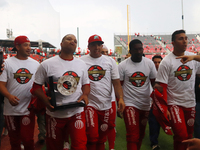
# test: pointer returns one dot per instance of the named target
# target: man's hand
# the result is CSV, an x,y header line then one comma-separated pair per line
x,y
193,144
48,104
120,109
186,58
168,115
121,105
158,87
84,98
14,100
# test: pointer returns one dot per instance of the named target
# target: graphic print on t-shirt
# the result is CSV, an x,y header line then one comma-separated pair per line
x,y
138,79
96,73
22,75
74,74
183,73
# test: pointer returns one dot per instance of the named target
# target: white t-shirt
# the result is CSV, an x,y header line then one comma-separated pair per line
x,y
19,75
180,79
113,95
101,71
57,68
136,86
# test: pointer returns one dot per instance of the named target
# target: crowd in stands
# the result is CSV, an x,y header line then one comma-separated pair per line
x,y
161,44
153,44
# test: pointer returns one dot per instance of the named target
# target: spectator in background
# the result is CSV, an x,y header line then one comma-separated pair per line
x,y
118,60
154,126
197,108
104,50
1,116
1,108
137,74
157,60
127,55
41,127
112,132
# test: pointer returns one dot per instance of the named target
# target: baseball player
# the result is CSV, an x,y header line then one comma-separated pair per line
x,y
103,73
15,83
137,73
71,77
180,80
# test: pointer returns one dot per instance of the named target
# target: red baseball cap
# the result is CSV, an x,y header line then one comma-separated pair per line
x,y
95,38
20,40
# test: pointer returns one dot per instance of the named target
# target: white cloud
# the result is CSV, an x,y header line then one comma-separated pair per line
x,y
42,19
33,19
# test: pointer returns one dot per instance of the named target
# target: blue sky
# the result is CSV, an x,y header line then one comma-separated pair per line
x,y
50,20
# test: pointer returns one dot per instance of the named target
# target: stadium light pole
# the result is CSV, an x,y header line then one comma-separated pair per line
x,y
128,25
182,15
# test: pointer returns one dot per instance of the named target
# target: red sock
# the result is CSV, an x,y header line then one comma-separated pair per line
x,y
111,138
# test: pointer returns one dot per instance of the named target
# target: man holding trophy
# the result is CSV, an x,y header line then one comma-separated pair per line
x,y
69,88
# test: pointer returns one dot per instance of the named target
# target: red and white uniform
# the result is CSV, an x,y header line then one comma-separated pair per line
x,y
101,72
180,80
19,75
59,120
136,89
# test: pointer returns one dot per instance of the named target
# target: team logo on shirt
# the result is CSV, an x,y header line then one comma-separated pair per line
x,y
72,73
138,79
96,73
23,76
183,73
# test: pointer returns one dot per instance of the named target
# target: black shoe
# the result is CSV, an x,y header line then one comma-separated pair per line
x,y
155,147
41,140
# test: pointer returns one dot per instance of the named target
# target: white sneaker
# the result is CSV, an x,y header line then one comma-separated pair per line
x,y
5,132
22,146
66,146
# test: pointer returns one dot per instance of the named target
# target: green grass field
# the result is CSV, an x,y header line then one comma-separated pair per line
x,y
165,141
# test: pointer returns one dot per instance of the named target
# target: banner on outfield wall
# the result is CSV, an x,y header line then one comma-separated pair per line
x,y
118,49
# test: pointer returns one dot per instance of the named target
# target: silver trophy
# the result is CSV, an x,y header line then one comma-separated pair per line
x,y
66,85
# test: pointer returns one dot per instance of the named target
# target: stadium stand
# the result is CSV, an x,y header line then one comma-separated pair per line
x,y
153,44
157,44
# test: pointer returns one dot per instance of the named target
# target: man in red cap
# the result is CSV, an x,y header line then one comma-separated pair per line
x,y
103,73
15,83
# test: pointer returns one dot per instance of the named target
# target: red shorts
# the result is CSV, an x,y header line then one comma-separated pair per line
x,y
21,129
135,121
57,127
97,123
182,122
